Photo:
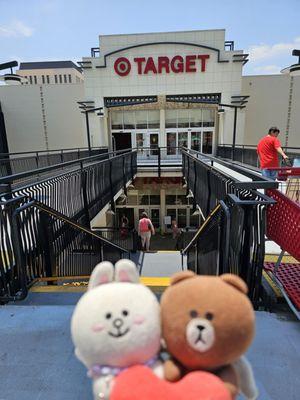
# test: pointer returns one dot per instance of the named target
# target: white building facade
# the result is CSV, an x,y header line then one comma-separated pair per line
x,y
164,89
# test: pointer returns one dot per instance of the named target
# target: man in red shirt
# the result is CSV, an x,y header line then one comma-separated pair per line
x,y
268,149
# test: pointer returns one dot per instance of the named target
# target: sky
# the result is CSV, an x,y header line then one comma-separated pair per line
x,y
39,30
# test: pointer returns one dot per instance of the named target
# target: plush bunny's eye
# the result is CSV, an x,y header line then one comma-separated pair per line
x,y
108,315
193,314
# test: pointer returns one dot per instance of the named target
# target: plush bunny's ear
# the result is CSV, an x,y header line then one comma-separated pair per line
x,y
102,273
126,271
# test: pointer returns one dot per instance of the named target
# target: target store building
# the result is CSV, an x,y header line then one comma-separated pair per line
x,y
164,89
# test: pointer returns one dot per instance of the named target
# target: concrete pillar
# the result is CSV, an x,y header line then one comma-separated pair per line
x,y
162,134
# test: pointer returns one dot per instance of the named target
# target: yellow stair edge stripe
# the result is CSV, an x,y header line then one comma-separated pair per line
x,y
285,259
155,283
270,281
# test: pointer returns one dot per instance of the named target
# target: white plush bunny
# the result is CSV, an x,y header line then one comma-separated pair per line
x,y
115,325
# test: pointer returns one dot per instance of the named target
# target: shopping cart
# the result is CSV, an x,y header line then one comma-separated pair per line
x,y
283,227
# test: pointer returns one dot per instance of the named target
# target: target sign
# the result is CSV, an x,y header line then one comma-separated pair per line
x,y
122,66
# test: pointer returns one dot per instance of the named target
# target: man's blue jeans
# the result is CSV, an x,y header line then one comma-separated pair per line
x,y
269,173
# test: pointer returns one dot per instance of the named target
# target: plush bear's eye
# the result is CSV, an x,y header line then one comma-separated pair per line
x,y
209,316
193,313
108,315
125,313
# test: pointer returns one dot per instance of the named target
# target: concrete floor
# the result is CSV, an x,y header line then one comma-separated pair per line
x,y
37,360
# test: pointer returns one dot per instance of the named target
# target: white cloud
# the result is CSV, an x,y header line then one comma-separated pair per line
x,y
268,69
15,28
265,51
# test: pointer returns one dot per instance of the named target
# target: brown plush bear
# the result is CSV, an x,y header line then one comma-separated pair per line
x,y
207,324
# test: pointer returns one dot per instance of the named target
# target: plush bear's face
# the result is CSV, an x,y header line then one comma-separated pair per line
x,y
207,321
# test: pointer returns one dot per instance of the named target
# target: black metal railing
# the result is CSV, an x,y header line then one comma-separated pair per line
x,y
80,192
14,163
39,242
246,154
232,238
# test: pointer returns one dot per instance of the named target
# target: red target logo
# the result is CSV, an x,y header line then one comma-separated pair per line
x,y
122,66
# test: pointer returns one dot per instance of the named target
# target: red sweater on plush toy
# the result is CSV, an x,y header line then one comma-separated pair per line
x,y
208,323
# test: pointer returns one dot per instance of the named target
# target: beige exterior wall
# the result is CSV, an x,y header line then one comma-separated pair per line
x,y
76,76
268,106
101,80
41,117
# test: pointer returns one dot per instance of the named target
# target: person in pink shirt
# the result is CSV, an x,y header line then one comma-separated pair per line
x,y
145,230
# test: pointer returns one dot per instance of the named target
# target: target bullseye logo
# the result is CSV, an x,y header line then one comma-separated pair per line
x,y
122,66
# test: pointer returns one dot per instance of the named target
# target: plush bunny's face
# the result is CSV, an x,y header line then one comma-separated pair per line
x,y
116,323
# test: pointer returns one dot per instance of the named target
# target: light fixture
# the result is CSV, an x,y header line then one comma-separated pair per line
x,y
190,194
122,198
293,70
221,111
184,185
131,186
110,211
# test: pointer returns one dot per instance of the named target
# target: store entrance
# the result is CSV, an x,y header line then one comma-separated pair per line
x,y
121,140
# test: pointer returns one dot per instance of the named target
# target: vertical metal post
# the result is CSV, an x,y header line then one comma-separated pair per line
x,y
159,166
84,196
47,243
234,133
88,131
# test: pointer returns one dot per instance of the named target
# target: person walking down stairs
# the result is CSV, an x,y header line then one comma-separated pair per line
x,y
145,230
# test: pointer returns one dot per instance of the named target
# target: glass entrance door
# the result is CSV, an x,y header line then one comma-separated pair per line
x,y
153,142
196,140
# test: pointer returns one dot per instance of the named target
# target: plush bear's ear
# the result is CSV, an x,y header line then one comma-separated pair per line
x,y
126,271
180,276
102,273
235,281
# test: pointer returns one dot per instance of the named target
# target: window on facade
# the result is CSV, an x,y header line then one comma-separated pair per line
x,y
171,142
65,78
43,79
143,199
195,118
181,218
55,78
35,79
129,120
30,80
117,120
141,119
171,118
70,78
153,119
154,199
171,199
60,79
208,117
183,118
48,79
194,221
132,199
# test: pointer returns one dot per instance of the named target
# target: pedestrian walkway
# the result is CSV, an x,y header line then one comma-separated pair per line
x,y
37,360
158,263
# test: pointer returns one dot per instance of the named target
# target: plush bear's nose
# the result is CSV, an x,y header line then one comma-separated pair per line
x,y
200,327
118,323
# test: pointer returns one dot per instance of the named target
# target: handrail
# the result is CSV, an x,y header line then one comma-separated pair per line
x,y
206,222
52,151
10,178
253,146
259,182
76,225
